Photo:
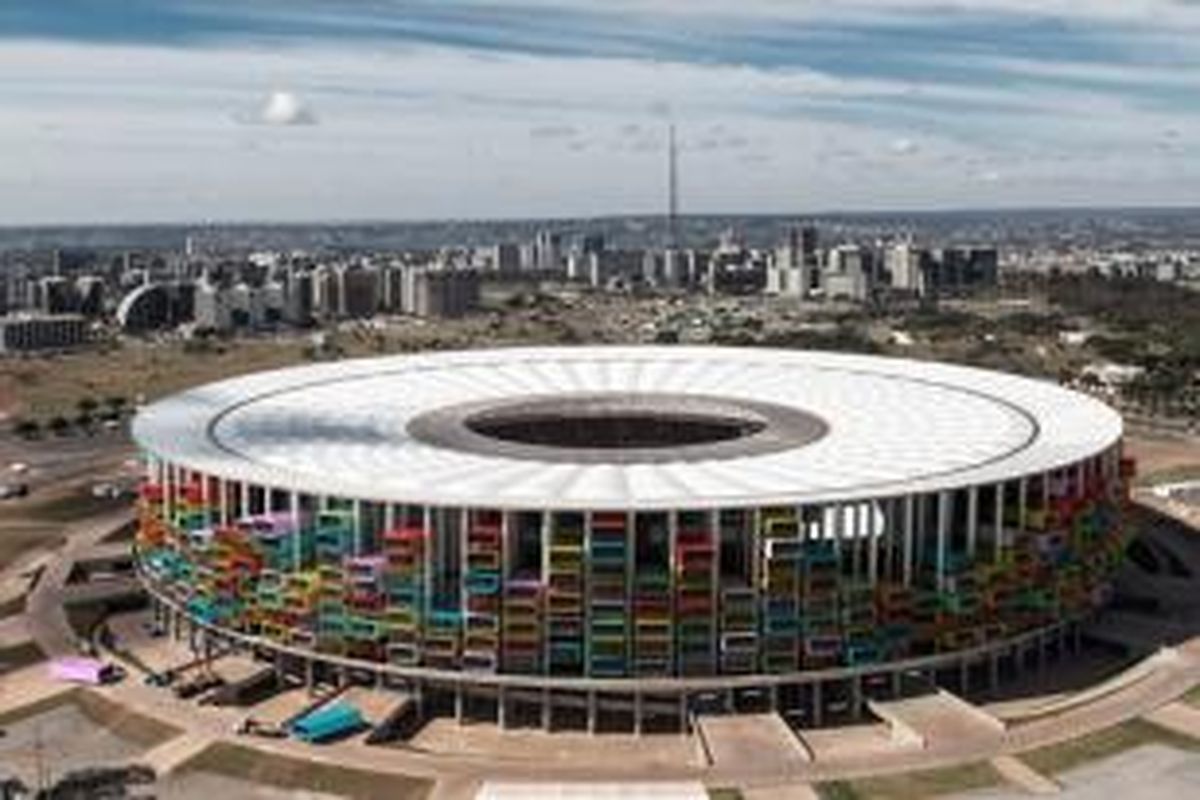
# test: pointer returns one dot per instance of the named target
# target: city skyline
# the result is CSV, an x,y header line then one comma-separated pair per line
x,y
190,111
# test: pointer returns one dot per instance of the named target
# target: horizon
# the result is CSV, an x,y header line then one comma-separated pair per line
x,y
797,216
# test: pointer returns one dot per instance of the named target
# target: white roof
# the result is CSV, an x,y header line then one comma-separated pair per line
x,y
894,427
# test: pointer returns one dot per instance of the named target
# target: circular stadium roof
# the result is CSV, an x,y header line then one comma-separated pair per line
x,y
709,427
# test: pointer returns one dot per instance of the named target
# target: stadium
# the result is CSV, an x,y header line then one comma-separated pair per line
x,y
581,535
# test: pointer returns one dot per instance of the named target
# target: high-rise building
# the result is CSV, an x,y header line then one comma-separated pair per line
x,y
29,333
847,273
547,252
506,259
907,266
790,274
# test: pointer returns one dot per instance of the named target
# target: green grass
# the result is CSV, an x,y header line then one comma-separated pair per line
x,y
248,764
1058,758
1192,698
913,785
725,794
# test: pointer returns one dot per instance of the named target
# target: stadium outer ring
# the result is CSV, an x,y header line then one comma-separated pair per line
x,y
1049,436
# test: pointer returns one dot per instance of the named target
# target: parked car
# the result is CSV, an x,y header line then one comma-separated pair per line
x,y
9,491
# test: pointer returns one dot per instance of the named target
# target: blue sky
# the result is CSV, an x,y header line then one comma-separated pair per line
x,y
189,110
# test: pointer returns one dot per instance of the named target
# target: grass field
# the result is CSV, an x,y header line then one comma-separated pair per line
x,y
259,767
1059,758
913,785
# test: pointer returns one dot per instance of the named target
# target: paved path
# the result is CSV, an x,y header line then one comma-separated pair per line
x,y
752,742
937,719
44,605
1020,774
27,686
1178,717
169,755
791,791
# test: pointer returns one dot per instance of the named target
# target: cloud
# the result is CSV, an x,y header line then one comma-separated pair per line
x,y
446,131
284,108
553,132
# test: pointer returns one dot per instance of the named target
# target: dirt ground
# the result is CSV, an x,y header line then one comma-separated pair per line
x,y
1163,455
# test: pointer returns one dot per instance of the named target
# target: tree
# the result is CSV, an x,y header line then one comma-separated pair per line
x,y
85,421
27,428
87,405
59,425
116,403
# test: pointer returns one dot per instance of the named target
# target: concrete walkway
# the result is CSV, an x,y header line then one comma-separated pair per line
x,y
169,755
938,719
760,743
1021,775
1178,717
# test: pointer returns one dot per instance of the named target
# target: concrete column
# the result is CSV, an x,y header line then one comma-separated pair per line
x,y
872,545
817,709
547,710
908,539
502,709
427,564
921,501
897,684
839,532
245,498
972,520
856,540
592,712
356,516
458,703
943,524
1022,501
684,722
998,544
297,533
169,491
223,499
673,588
638,711
888,542
310,676
856,697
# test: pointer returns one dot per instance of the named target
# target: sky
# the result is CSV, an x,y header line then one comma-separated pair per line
x,y
126,111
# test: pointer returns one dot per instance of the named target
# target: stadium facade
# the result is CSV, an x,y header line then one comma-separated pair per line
x,y
634,531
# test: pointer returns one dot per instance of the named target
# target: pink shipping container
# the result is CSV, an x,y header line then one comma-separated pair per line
x,y
82,670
